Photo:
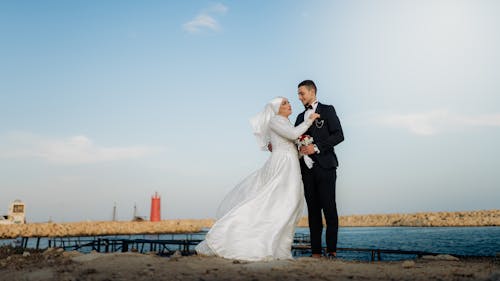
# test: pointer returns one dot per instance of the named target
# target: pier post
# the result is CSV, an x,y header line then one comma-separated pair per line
x,y
124,246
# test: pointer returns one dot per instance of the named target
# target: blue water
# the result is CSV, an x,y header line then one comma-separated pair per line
x,y
469,241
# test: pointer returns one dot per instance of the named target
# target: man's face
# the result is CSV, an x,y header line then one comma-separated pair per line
x,y
306,95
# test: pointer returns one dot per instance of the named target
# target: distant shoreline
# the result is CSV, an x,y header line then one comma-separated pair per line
x,y
98,228
422,219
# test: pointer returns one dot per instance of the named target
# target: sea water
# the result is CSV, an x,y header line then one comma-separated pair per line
x,y
466,241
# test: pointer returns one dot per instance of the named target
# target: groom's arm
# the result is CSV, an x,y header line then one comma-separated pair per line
x,y
336,135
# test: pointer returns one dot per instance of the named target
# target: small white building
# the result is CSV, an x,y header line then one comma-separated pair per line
x,y
16,214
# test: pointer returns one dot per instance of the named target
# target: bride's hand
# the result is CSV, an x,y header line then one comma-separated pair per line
x,y
314,116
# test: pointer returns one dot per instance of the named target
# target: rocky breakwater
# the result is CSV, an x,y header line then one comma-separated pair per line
x,y
470,218
101,228
430,219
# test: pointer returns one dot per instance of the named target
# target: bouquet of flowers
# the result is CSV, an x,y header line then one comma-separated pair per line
x,y
304,140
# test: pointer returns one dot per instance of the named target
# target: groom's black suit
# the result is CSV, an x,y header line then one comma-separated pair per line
x,y
319,181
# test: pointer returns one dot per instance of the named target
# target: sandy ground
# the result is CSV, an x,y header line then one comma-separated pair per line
x,y
59,265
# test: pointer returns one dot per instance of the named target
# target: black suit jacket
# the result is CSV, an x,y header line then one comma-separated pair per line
x,y
327,133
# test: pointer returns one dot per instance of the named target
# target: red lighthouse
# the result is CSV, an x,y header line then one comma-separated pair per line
x,y
155,208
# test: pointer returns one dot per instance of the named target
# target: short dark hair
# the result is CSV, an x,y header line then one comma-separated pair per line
x,y
309,84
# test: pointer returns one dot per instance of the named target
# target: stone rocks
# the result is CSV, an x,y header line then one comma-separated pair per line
x,y
48,251
441,258
473,218
408,264
87,257
71,254
176,254
495,276
101,228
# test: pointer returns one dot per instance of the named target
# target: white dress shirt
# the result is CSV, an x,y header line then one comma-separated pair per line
x,y
310,111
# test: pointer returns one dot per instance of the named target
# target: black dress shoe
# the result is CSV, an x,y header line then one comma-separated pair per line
x,y
331,256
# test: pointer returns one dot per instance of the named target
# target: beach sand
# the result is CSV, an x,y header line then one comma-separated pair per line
x,y
55,264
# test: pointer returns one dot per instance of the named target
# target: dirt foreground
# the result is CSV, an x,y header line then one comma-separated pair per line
x,y
55,264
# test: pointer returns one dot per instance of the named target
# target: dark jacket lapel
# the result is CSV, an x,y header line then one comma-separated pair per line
x,y
319,108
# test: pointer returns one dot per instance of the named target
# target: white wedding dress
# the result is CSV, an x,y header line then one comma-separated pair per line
x,y
257,219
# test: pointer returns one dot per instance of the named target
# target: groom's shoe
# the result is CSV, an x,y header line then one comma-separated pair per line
x,y
331,255
316,256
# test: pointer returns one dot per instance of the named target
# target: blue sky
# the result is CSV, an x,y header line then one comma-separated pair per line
x,y
110,101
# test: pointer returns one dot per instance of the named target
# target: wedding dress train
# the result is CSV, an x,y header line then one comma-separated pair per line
x,y
257,219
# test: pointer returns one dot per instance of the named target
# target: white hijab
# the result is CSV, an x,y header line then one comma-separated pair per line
x,y
260,122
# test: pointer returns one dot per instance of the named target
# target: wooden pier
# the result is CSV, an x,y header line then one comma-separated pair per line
x,y
185,246
302,246
165,247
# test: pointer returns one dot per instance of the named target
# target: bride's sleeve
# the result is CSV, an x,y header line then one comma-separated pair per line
x,y
286,130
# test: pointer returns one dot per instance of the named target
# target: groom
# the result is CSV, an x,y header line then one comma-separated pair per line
x,y
319,169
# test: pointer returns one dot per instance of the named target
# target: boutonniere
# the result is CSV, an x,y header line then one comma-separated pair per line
x,y
319,123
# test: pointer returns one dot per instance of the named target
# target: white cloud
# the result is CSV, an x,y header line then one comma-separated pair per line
x,y
70,150
206,19
200,22
438,121
218,8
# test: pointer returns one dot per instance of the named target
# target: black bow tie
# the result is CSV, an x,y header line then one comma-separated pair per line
x,y
308,106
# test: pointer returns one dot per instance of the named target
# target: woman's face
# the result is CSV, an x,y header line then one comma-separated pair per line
x,y
285,108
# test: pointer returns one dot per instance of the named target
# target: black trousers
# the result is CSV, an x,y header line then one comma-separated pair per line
x,y
319,189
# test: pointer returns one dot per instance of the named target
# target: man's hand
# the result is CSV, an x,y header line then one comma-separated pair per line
x,y
307,150
270,147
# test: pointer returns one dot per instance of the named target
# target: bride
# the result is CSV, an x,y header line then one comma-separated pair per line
x,y
257,219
